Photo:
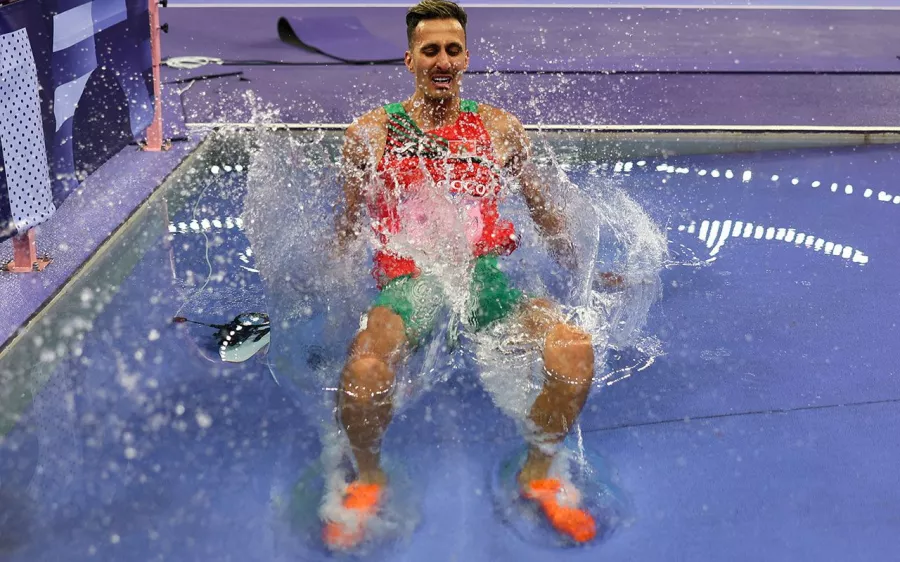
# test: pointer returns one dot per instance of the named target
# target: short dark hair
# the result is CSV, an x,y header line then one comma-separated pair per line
x,y
433,10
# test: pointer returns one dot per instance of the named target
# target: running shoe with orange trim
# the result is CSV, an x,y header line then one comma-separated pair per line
x,y
361,502
568,520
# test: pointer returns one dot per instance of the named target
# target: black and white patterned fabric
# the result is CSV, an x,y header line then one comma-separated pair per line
x,y
75,88
27,199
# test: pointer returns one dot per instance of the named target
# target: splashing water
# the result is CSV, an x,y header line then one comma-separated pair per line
x,y
318,295
587,483
612,235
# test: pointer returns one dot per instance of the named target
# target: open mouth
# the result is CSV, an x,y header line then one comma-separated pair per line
x,y
441,81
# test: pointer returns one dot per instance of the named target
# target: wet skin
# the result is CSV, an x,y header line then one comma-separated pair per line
x,y
437,58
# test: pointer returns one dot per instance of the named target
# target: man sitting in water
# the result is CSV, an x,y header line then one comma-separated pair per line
x,y
387,154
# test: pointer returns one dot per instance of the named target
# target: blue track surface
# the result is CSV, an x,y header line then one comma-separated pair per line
x,y
766,431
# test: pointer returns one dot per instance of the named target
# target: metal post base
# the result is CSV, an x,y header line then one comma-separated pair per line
x,y
25,258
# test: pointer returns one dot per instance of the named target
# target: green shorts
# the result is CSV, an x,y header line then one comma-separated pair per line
x,y
419,300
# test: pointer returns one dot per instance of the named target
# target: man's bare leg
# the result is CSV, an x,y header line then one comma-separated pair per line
x,y
365,399
569,369
364,408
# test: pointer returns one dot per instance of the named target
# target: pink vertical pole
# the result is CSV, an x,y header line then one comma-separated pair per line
x,y
154,131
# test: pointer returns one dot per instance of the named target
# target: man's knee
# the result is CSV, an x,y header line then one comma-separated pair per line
x,y
367,379
540,315
368,376
385,320
383,336
569,354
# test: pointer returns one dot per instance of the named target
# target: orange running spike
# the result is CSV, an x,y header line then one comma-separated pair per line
x,y
361,498
570,521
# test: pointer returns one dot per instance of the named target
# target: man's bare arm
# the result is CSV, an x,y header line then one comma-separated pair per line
x,y
514,149
549,219
356,172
